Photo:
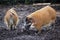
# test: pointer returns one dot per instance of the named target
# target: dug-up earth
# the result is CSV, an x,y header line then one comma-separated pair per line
x,y
23,11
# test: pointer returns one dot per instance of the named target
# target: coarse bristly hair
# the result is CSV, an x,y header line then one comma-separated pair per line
x,y
42,18
11,14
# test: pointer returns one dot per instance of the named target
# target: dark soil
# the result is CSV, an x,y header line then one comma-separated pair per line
x,y
23,11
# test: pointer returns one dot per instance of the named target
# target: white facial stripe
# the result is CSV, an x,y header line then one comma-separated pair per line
x,y
32,26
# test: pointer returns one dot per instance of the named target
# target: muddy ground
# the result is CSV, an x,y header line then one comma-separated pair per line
x,y
23,11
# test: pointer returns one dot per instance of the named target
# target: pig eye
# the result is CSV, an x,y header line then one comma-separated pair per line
x,y
28,20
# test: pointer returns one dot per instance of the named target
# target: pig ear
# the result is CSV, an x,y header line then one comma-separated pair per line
x,y
26,19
